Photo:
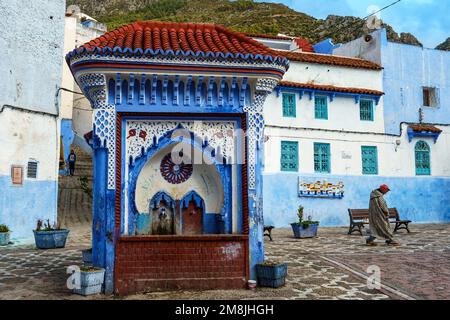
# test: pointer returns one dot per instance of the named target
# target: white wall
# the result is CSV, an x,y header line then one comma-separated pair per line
x,y
73,106
25,136
334,75
31,52
343,114
345,149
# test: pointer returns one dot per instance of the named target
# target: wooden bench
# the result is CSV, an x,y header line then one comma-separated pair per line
x,y
268,231
360,217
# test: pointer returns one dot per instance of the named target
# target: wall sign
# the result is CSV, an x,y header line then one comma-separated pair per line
x,y
17,175
320,189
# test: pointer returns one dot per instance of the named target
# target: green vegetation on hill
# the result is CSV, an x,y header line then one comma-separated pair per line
x,y
240,15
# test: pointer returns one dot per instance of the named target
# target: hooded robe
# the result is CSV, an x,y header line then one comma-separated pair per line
x,y
379,216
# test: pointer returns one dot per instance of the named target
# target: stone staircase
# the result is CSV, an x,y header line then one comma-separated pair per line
x,y
74,201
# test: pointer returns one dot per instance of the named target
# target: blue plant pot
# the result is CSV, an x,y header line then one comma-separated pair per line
x,y
50,239
91,282
4,238
87,257
301,232
273,276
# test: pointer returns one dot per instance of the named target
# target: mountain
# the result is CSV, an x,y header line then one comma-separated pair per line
x,y
444,45
241,15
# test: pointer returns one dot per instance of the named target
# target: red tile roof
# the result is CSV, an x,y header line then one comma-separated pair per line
x,y
424,127
301,43
330,88
153,37
304,45
330,59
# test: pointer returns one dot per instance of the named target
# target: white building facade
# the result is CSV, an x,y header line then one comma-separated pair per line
x,y
76,110
30,64
326,147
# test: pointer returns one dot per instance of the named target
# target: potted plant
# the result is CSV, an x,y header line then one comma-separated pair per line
x,y
48,236
304,228
91,281
4,235
87,257
271,274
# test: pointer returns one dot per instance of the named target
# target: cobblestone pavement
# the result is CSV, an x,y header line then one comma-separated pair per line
x,y
331,266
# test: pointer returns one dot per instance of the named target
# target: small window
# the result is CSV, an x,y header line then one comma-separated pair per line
x,y
369,160
366,110
322,157
320,107
32,169
289,105
422,156
430,98
289,156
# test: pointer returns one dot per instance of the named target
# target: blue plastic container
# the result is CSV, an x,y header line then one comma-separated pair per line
x,y
50,239
273,276
302,232
87,257
90,282
4,238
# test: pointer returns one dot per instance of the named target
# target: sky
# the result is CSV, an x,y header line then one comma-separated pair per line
x,y
428,20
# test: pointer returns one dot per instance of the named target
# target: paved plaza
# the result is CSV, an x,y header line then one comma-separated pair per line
x,y
331,266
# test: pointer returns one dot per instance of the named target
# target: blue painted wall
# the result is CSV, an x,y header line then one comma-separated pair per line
x,y
68,136
20,208
406,70
422,200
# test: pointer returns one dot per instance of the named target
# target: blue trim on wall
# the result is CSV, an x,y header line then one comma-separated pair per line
x,y
422,134
420,199
331,94
21,206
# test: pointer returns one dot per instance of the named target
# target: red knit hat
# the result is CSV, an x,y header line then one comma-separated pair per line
x,y
384,188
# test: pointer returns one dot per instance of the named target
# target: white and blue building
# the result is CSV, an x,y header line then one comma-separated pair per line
x,y
30,63
338,126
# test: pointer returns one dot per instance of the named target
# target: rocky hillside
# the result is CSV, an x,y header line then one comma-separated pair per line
x,y
444,45
240,15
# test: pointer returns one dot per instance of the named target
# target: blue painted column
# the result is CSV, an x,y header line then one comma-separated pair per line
x,y
256,228
103,218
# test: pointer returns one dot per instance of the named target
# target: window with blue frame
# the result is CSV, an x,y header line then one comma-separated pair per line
x,y
422,155
369,157
320,107
289,105
289,156
366,110
322,157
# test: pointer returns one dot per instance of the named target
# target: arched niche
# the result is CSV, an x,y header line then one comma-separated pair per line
x,y
205,180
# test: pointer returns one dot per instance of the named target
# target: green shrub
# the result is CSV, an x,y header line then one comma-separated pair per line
x,y
4,228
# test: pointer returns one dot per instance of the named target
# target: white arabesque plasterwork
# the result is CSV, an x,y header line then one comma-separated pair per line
x,y
142,134
255,129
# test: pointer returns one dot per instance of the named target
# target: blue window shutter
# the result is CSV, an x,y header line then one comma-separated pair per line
x,y
369,155
320,107
289,156
366,110
422,156
289,105
322,157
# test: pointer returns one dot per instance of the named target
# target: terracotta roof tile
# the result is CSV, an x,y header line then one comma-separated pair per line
x,y
301,43
330,88
330,59
153,37
424,127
